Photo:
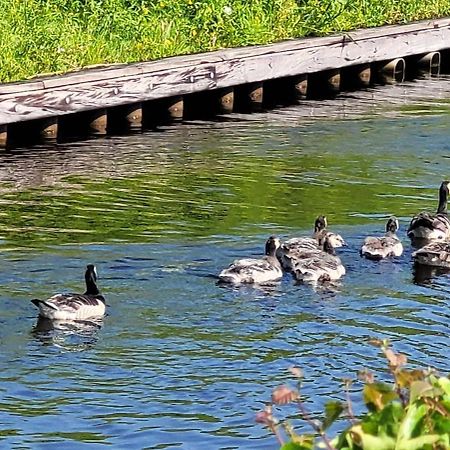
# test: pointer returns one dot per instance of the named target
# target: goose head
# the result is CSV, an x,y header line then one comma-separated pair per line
x,y
392,225
335,240
328,242
272,244
443,196
320,224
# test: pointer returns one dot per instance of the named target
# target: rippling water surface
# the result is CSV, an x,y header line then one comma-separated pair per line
x,y
180,362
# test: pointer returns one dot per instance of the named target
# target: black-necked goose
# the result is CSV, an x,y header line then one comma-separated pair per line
x,y
252,270
75,306
378,248
428,226
304,247
322,266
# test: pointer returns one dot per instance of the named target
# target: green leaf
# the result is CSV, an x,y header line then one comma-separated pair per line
x,y
295,446
333,410
377,395
419,389
369,441
413,415
389,419
444,384
404,377
418,443
342,441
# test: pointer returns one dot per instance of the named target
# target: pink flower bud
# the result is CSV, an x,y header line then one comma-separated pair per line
x,y
284,394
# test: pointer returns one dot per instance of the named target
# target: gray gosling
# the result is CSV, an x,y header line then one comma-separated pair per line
x,y
295,249
255,271
377,248
436,254
320,267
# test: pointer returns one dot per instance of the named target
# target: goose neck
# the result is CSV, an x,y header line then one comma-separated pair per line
x,y
91,286
443,195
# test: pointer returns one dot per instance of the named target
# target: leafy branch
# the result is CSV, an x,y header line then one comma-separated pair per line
x,y
411,413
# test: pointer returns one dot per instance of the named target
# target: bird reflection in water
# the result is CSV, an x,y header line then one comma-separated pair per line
x,y
70,335
424,274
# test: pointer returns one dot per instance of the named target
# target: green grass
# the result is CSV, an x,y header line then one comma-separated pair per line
x,y
51,36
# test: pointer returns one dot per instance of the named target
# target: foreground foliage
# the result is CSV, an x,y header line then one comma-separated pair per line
x,y
40,36
412,413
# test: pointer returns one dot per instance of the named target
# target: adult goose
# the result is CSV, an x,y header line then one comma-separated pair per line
x,y
378,248
435,253
322,266
252,270
75,306
428,226
295,249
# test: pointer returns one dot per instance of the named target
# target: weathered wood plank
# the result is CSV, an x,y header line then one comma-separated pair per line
x,y
104,87
101,94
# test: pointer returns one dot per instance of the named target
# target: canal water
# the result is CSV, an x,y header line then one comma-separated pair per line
x,y
180,362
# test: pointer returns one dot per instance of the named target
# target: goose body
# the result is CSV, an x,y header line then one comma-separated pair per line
x,y
295,249
324,265
428,226
435,254
71,306
386,246
253,270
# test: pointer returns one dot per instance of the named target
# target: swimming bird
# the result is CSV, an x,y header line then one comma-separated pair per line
x,y
435,253
75,306
303,247
322,266
428,226
377,248
252,270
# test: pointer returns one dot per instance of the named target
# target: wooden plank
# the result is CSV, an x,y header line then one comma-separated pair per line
x,y
120,91
105,87
334,56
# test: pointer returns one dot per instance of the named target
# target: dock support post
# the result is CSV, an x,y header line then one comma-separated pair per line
x,y
430,64
255,94
356,77
98,122
445,61
49,129
324,84
226,100
3,136
393,71
300,87
333,80
175,108
133,116
364,74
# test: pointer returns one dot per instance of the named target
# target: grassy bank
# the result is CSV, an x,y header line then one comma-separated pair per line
x,y
48,36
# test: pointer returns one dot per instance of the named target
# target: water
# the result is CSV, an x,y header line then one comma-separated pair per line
x,y
180,362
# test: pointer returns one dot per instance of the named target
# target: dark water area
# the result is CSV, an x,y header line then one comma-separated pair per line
x,y
180,362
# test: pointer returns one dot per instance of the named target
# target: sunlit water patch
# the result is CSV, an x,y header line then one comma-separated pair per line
x,y
179,361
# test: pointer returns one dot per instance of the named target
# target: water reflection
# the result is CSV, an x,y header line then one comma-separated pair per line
x,y
70,335
424,274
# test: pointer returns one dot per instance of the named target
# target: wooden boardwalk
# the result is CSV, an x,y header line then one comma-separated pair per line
x,y
101,88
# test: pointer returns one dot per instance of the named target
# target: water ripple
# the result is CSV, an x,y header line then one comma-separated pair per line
x,y
179,361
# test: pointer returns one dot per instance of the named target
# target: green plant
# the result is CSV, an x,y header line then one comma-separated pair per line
x,y
41,36
412,413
